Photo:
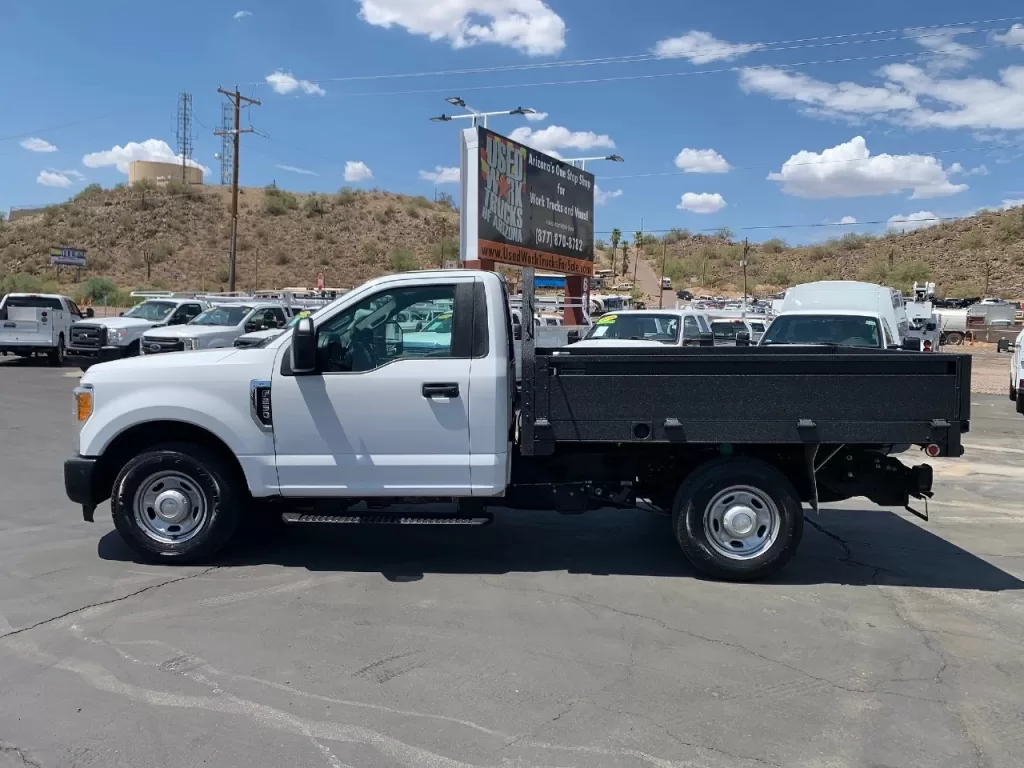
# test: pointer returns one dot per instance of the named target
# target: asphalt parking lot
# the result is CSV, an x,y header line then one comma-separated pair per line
x,y
542,640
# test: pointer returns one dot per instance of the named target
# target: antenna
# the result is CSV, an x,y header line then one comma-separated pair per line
x,y
227,144
184,134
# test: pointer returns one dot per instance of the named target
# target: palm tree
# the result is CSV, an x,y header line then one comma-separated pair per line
x,y
616,236
638,241
625,257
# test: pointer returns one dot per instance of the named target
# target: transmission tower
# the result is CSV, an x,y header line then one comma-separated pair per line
x,y
227,144
184,134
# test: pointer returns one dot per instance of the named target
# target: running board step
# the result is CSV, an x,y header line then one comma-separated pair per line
x,y
484,518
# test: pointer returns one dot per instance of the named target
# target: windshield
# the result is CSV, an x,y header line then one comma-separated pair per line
x,y
639,327
151,310
441,324
843,330
227,315
38,302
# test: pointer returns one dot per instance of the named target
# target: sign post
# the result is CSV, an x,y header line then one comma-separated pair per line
x,y
526,209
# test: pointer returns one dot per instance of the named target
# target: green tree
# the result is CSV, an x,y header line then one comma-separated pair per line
x,y
625,257
639,241
616,236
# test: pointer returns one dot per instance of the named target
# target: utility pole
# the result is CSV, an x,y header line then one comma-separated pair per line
x,y
743,263
661,292
236,101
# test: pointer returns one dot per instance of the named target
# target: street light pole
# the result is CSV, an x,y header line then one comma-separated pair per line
x,y
475,115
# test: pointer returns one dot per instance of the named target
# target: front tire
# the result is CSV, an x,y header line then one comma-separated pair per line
x,y
177,503
738,519
1020,404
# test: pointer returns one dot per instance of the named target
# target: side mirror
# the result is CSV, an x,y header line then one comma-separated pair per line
x,y
911,345
393,339
742,339
303,350
251,326
90,313
120,314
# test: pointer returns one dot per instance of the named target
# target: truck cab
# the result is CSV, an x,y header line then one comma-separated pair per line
x,y
101,339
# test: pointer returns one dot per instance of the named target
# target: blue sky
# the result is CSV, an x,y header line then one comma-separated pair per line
x,y
89,87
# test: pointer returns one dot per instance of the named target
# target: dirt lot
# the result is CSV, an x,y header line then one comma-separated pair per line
x,y
990,371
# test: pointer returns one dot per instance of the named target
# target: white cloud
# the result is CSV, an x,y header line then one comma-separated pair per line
x,y
356,170
241,15
957,168
536,117
701,161
296,169
702,48
150,150
601,197
849,170
831,98
910,96
912,221
442,175
530,26
1013,36
947,53
1016,203
54,179
37,145
549,140
848,220
703,202
286,82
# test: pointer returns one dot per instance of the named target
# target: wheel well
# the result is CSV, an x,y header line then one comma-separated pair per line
x,y
140,437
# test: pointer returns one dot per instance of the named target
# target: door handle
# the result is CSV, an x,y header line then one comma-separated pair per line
x,y
440,390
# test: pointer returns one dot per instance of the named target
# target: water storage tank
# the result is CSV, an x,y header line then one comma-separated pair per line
x,y
161,173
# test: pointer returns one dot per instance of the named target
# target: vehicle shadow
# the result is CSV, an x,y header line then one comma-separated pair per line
x,y
882,548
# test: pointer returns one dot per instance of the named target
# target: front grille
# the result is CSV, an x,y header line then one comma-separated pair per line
x,y
154,345
89,336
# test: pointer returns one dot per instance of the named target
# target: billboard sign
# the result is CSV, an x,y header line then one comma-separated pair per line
x,y
67,257
530,209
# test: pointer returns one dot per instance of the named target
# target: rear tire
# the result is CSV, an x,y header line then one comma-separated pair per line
x,y
1020,404
1013,391
954,338
56,355
177,503
738,519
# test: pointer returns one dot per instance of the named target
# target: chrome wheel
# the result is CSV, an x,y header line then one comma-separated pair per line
x,y
170,507
741,522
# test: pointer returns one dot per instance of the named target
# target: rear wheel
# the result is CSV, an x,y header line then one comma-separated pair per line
x,y
57,354
738,519
954,338
1020,404
177,503
1013,391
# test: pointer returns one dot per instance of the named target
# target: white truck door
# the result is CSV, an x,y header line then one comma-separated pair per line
x,y
377,418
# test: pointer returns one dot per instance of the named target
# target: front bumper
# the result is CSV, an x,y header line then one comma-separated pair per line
x,y
93,355
80,485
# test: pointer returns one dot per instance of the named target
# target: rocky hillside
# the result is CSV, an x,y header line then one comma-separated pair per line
x,y
980,255
177,237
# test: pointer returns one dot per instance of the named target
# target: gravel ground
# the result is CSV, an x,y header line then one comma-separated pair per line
x,y
990,371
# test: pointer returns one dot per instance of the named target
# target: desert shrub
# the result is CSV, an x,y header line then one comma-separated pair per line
x,y
281,257
775,245
277,201
314,206
403,259
347,196
780,274
101,290
676,236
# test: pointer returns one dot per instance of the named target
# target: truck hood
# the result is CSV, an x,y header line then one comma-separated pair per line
x,y
191,331
117,322
150,367
269,333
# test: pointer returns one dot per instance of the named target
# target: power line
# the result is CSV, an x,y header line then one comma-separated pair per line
x,y
814,162
760,47
688,73
798,226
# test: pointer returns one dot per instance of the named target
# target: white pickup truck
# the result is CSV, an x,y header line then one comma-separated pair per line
x,y
217,327
101,339
337,413
32,323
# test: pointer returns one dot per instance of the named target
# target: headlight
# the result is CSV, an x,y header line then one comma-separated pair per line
x,y
116,334
191,343
83,403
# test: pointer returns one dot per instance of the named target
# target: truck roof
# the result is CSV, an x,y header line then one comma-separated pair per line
x,y
39,295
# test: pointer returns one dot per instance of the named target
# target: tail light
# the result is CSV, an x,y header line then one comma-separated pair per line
x,y
43,316
927,346
932,450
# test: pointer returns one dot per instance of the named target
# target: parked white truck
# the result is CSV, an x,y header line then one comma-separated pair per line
x,y
335,414
37,323
101,339
219,326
